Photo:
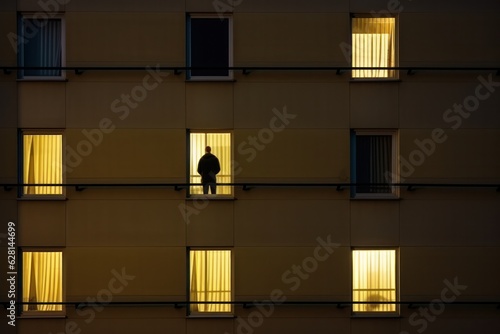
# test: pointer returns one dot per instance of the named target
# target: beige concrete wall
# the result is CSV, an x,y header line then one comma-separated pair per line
x,y
261,270
8,29
281,39
137,154
208,223
472,266
283,223
439,233
42,105
127,104
125,223
42,223
455,39
90,269
125,38
297,154
313,105
464,155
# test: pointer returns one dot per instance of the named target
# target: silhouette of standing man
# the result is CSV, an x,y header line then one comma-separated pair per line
x,y
208,167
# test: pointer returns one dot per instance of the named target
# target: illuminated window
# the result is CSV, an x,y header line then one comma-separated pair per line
x,y
210,47
373,163
41,46
220,144
42,163
42,281
210,280
373,45
374,280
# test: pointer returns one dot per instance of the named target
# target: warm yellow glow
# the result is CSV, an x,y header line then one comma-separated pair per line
x,y
373,45
42,164
210,280
221,147
374,279
42,280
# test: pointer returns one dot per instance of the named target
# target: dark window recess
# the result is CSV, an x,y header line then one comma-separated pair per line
x,y
373,163
42,46
210,46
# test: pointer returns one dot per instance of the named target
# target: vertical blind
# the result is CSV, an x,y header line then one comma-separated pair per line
x,y
373,45
210,280
42,163
374,279
43,47
221,148
42,280
373,162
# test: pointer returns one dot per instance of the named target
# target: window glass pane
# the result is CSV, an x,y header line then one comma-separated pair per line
x,y
373,163
210,280
209,46
373,45
42,47
374,279
42,164
220,144
42,280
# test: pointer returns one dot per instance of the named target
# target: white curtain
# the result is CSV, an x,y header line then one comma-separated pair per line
x,y
43,47
210,280
42,280
221,148
42,160
373,45
374,279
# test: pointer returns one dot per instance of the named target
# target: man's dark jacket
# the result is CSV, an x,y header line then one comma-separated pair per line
x,y
208,167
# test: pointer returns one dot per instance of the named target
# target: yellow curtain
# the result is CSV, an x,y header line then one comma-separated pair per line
x,y
221,148
373,45
210,280
42,163
374,279
42,280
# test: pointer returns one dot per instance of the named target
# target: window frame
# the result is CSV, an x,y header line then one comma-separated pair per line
x,y
380,314
37,313
395,191
395,76
189,17
198,314
21,193
210,196
21,59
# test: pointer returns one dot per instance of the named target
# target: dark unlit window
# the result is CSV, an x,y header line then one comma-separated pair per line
x,y
41,50
209,47
373,158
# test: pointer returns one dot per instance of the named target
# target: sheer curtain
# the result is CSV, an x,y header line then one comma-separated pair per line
x,y
42,280
374,279
42,160
221,147
210,280
373,45
43,47
373,161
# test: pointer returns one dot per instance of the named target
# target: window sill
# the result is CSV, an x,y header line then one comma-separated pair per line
x,y
42,316
210,79
211,198
373,315
42,198
375,80
43,79
383,198
211,316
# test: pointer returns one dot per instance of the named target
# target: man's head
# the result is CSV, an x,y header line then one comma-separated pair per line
x,y
208,149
